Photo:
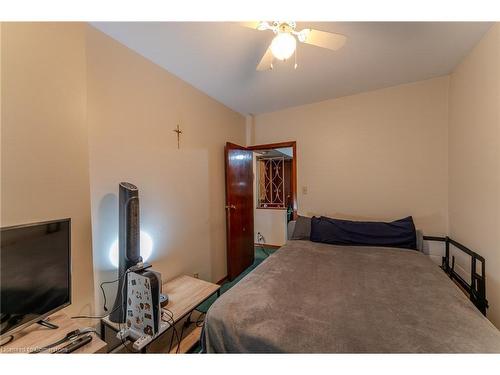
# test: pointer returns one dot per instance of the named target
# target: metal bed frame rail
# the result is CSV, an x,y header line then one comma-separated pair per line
x,y
477,287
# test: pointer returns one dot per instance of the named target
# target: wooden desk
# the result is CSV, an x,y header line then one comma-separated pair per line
x,y
35,336
185,293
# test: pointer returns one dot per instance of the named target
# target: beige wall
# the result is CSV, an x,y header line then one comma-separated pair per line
x,y
375,155
74,100
133,107
474,158
45,172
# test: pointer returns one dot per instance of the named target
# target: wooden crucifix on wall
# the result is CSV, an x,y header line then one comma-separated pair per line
x,y
179,132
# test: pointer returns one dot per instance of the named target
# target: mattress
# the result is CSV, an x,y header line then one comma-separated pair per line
x,y
317,298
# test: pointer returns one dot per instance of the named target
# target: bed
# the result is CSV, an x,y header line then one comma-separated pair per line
x,y
319,298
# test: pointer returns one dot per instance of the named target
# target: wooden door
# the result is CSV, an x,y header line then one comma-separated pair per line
x,y
239,209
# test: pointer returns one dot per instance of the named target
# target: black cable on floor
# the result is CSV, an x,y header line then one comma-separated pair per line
x,y
172,324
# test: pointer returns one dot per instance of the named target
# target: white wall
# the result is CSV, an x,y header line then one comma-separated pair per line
x,y
133,107
377,155
44,145
249,131
474,158
272,225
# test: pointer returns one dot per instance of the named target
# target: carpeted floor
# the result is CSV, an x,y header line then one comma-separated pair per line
x,y
260,255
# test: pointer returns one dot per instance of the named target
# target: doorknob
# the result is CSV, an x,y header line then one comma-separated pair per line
x,y
230,206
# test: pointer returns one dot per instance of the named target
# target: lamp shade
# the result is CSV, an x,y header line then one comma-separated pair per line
x,y
283,46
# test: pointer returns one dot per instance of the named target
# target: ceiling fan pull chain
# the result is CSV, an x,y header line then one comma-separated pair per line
x,y
295,66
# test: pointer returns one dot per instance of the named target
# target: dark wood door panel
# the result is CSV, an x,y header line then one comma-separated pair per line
x,y
239,208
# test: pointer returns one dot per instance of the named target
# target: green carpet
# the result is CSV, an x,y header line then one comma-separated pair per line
x,y
260,255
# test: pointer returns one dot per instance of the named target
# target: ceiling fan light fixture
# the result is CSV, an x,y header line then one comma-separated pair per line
x,y
283,46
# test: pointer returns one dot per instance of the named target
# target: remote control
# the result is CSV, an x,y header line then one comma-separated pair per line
x,y
78,343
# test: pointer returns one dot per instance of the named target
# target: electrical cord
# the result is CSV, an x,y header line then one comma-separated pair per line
x,y
124,344
105,309
199,323
104,294
260,238
175,332
186,323
171,342
201,320
180,339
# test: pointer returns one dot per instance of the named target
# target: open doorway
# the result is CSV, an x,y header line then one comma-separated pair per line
x,y
255,182
274,189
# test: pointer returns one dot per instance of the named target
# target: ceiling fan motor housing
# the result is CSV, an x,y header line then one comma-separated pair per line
x,y
284,26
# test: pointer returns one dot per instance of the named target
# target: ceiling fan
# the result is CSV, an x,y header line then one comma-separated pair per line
x,y
284,44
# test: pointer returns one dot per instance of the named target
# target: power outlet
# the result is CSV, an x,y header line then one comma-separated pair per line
x,y
196,276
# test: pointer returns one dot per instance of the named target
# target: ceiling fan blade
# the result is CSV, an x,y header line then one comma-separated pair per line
x,y
322,39
256,25
266,62
250,25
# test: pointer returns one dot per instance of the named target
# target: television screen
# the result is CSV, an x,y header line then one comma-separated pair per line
x,y
35,266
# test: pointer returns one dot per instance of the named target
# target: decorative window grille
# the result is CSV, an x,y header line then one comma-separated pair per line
x,y
271,183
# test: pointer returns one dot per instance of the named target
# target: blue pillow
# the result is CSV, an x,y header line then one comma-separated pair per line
x,y
399,233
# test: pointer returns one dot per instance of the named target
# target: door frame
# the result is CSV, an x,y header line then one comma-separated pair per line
x,y
293,145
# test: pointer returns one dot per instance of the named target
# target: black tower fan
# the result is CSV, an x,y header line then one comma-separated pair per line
x,y
128,245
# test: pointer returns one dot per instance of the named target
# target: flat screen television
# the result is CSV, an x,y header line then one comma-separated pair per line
x,y
35,279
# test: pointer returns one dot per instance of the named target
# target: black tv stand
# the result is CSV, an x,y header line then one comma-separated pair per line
x,y
47,324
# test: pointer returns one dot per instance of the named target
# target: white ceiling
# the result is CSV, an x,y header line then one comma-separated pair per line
x,y
220,58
